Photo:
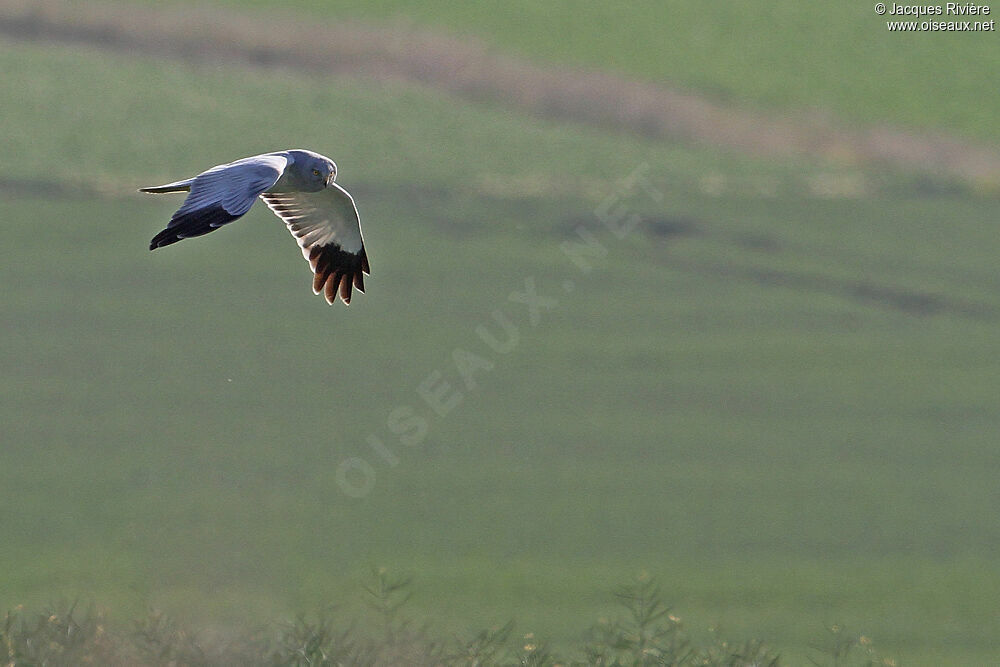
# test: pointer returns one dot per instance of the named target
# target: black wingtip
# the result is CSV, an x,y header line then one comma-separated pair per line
x,y
336,272
164,238
191,224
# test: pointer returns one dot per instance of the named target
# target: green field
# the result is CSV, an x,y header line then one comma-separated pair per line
x,y
781,403
777,55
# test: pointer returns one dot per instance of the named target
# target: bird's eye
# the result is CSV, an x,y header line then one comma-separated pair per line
x,y
315,172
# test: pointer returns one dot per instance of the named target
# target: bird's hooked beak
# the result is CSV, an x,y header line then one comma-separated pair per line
x,y
331,178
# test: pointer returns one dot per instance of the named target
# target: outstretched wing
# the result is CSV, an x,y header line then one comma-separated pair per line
x,y
327,228
219,196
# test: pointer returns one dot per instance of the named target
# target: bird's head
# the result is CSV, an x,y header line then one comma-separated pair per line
x,y
314,171
322,171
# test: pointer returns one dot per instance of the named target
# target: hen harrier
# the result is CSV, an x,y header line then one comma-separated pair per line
x,y
298,185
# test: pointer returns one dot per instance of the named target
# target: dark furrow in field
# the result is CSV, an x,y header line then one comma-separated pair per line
x,y
54,189
868,292
666,229
471,70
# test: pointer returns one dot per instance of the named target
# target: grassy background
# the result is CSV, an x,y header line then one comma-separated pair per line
x,y
784,54
779,403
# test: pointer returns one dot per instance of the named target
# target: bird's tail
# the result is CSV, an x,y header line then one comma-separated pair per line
x,y
179,186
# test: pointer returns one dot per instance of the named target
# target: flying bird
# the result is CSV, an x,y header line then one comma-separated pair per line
x,y
299,186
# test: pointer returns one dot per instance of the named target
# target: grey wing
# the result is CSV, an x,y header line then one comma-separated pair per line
x,y
219,196
328,230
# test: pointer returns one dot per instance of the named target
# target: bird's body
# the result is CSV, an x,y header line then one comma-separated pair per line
x,y
299,186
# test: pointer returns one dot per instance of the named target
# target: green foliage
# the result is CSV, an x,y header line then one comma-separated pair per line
x,y
840,648
58,636
648,635
651,635
318,642
159,640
